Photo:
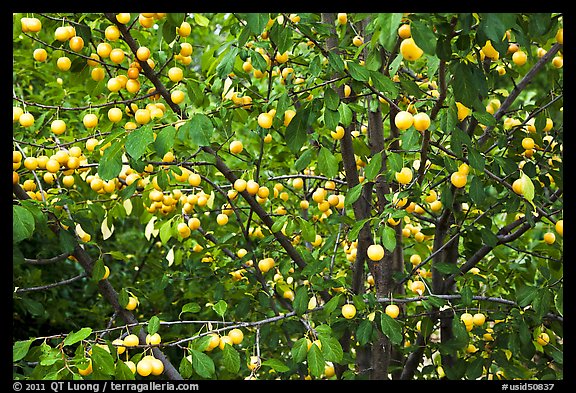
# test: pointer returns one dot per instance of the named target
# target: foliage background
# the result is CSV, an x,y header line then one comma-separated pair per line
x,y
187,285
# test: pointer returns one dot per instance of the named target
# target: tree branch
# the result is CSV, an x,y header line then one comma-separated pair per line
x,y
519,88
56,284
47,261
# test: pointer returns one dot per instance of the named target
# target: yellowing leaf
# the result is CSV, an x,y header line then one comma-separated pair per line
x,y
227,91
210,202
312,303
106,231
79,231
127,206
150,230
170,256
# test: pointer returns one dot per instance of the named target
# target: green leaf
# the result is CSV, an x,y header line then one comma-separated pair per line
x,y
201,130
220,307
176,18
315,65
358,72
84,31
555,353
331,305
542,302
226,65
126,192
477,160
493,26
23,223
297,131
435,301
373,167
410,139
49,355
423,36
202,343
123,372
468,82
394,161
299,350
190,307
410,87
166,232
256,21
459,139
110,164
78,65
300,302
138,140
314,267
279,223
284,102
388,23
102,361
525,294
461,336
308,231
345,114
396,63
356,228
153,325
316,362
335,62
331,99
364,332
383,84
231,359
258,61
276,365
123,297
528,190
353,194
98,270
185,369
488,237
165,140
327,163
331,348
475,368
559,301
281,37
373,60
426,326
446,267
448,117
477,193
66,241
20,349
484,118
169,31
78,336
201,20
202,363
524,332
304,160
391,329
466,296
388,237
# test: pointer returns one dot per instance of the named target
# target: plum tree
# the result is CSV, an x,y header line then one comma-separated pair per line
x,y
257,188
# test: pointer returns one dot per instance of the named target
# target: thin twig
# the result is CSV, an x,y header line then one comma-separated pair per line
x,y
48,286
